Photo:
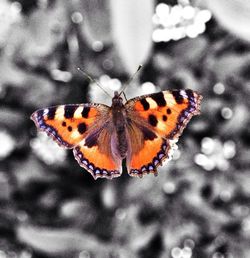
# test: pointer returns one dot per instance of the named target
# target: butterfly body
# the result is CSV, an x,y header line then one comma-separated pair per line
x,y
144,131
120,141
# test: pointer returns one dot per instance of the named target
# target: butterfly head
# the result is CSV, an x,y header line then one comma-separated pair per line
x,y
117,100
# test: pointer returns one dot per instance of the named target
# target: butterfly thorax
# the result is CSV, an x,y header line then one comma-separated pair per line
x,y
120,142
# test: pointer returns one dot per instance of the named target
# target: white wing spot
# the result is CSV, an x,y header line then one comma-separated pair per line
x,y
78,112
60,113
46,111
183,94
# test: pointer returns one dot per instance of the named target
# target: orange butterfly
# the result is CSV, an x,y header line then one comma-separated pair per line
x,y
143,131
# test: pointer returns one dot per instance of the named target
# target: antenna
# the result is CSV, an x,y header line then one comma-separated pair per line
x,y
94,81
131,79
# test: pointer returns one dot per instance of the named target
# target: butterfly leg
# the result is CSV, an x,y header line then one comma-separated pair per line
x,y
124,96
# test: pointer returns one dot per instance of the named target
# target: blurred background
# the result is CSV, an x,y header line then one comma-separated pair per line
x,y
198,206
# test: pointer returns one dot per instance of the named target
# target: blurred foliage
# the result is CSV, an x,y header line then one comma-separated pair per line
x,y
197,207
235,16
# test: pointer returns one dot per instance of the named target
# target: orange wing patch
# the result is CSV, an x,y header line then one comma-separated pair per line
x,y
151,155
97,158
68,124
167,112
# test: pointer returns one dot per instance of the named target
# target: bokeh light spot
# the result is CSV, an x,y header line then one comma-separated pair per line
x,y
189,243
188,12
63,76
7,144
204,161
208,145
120,214
178,21
169,187
16,7
148,87
219,88
76,17
97,46
84,254
25,254
226,113
108,64
176,252
162,9
229,149
218,255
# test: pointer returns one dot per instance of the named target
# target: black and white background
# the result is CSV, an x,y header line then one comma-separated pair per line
x,y
198,206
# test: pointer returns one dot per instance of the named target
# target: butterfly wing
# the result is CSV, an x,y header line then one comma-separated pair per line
x,y
148,150
94,154
69,124
158,120
86,128
167,112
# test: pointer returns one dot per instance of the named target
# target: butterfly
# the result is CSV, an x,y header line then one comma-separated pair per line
x,y
143,131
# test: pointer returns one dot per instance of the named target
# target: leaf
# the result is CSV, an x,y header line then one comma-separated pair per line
x,y
233,15
59,241
131,23
96,20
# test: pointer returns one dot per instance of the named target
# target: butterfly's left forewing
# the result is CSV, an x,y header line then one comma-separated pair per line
x,y
85,128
